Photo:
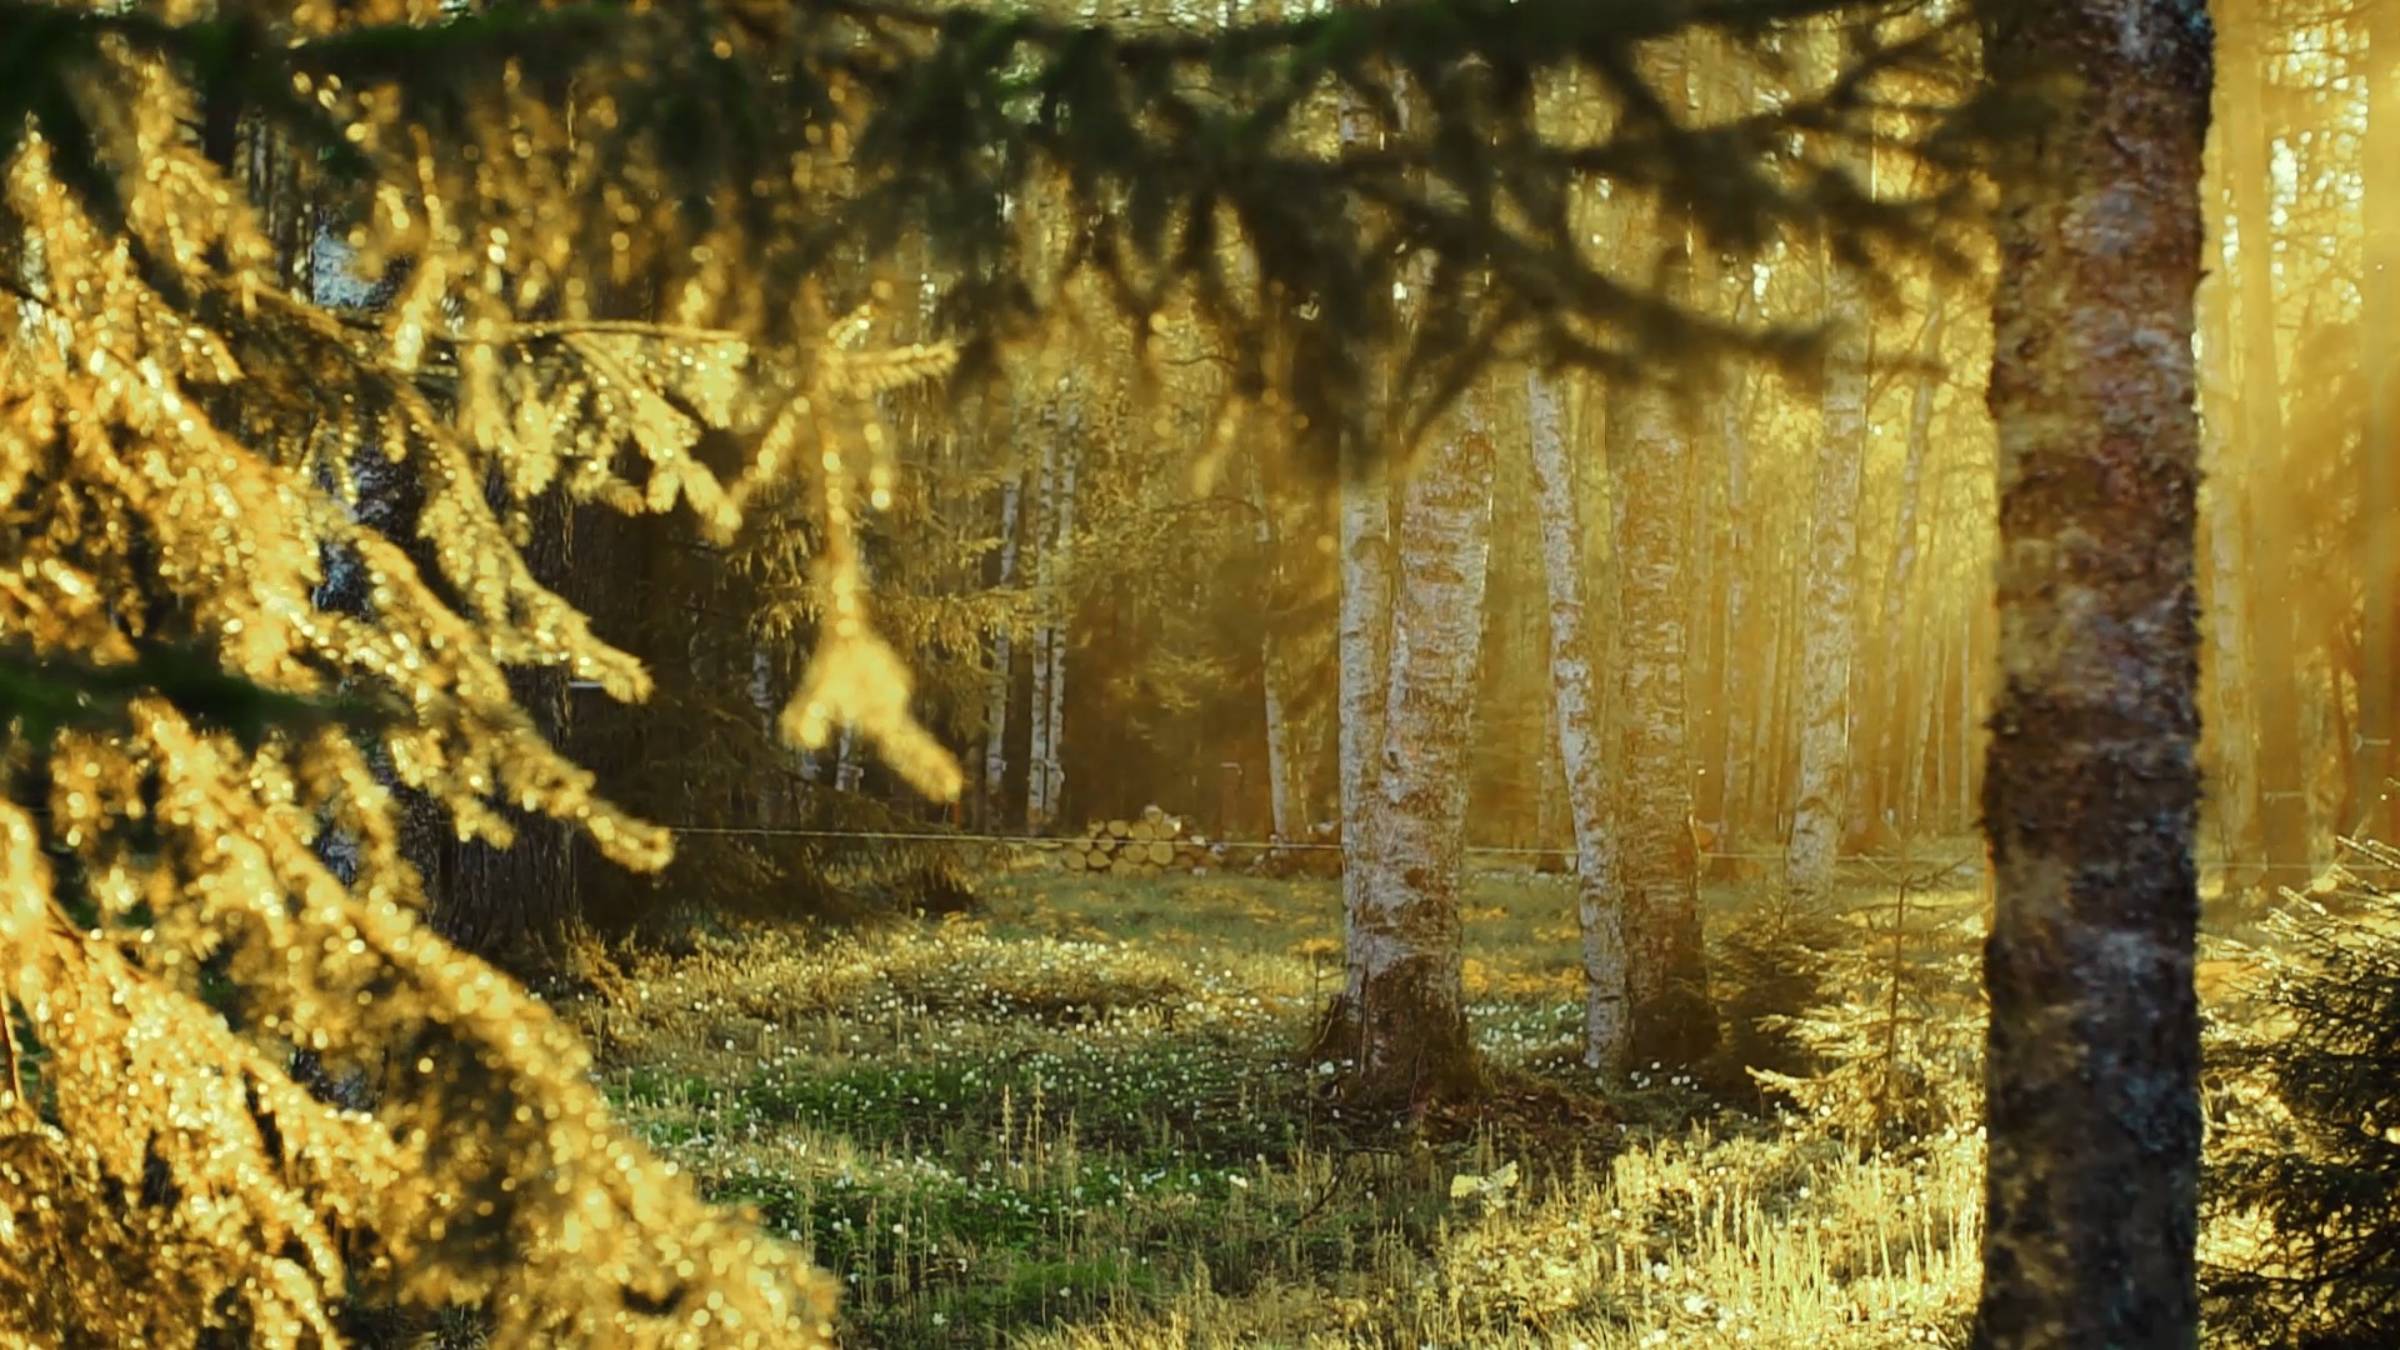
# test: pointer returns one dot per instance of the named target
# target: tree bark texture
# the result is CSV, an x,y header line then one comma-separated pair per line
x,y
1050,761
2092,788
1404,1009
996,692
1831,632
1578,723
1037,778
1672,1020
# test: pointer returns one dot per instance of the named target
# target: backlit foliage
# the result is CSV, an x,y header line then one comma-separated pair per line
x,y
193,452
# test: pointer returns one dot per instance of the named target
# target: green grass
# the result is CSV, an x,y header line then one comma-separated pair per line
x,y
1080,1120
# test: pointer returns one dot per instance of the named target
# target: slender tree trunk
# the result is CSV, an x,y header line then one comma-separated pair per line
x,y
1050,763
2092,1099
1037,776
1672,1020
1578,723
2280,703
1885,776
1403,1010
997,689
2374,797
2231,742
1738,765
1283,803
1831,634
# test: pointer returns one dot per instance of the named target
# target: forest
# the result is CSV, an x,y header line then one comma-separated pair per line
x,y
1106,674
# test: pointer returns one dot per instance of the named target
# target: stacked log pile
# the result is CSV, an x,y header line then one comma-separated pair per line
x,y
1147,846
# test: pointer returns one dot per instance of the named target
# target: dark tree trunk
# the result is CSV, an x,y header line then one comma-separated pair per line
x,y
2092,788
517,906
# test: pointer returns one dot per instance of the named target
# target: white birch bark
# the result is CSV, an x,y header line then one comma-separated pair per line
x,y
1830,635
1890,638
995,699
1052,763
1283,802
1363,642
1037,777
1577,724
1404,951
1671,1019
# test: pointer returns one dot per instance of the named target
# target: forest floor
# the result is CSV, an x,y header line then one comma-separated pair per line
x,y
1076,1119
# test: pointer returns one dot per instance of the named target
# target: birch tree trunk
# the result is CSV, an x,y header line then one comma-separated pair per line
x,y
1831,633
1283,804
1050,761
2231,739
1403,1010
1364,654
1885,773
2092,1103
2372,794
1577,723
1037,777
1363,648
1671,1019
996,692
1738,767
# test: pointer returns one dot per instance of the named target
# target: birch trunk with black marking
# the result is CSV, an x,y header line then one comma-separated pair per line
x,y
1577,723
1363,651
1049,760
1363,642
1403,1012
1830,635
1283,803
1045,635
998,687
2092,1107
1671,1020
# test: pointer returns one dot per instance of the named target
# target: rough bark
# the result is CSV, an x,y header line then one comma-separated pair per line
x,y
2375,801
1403,1015
1671,1021
1577,724
996,692
1831,633
1364,656
2274,577
2091,792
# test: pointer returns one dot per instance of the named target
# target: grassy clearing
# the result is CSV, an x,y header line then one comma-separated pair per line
x,y
1077,1122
